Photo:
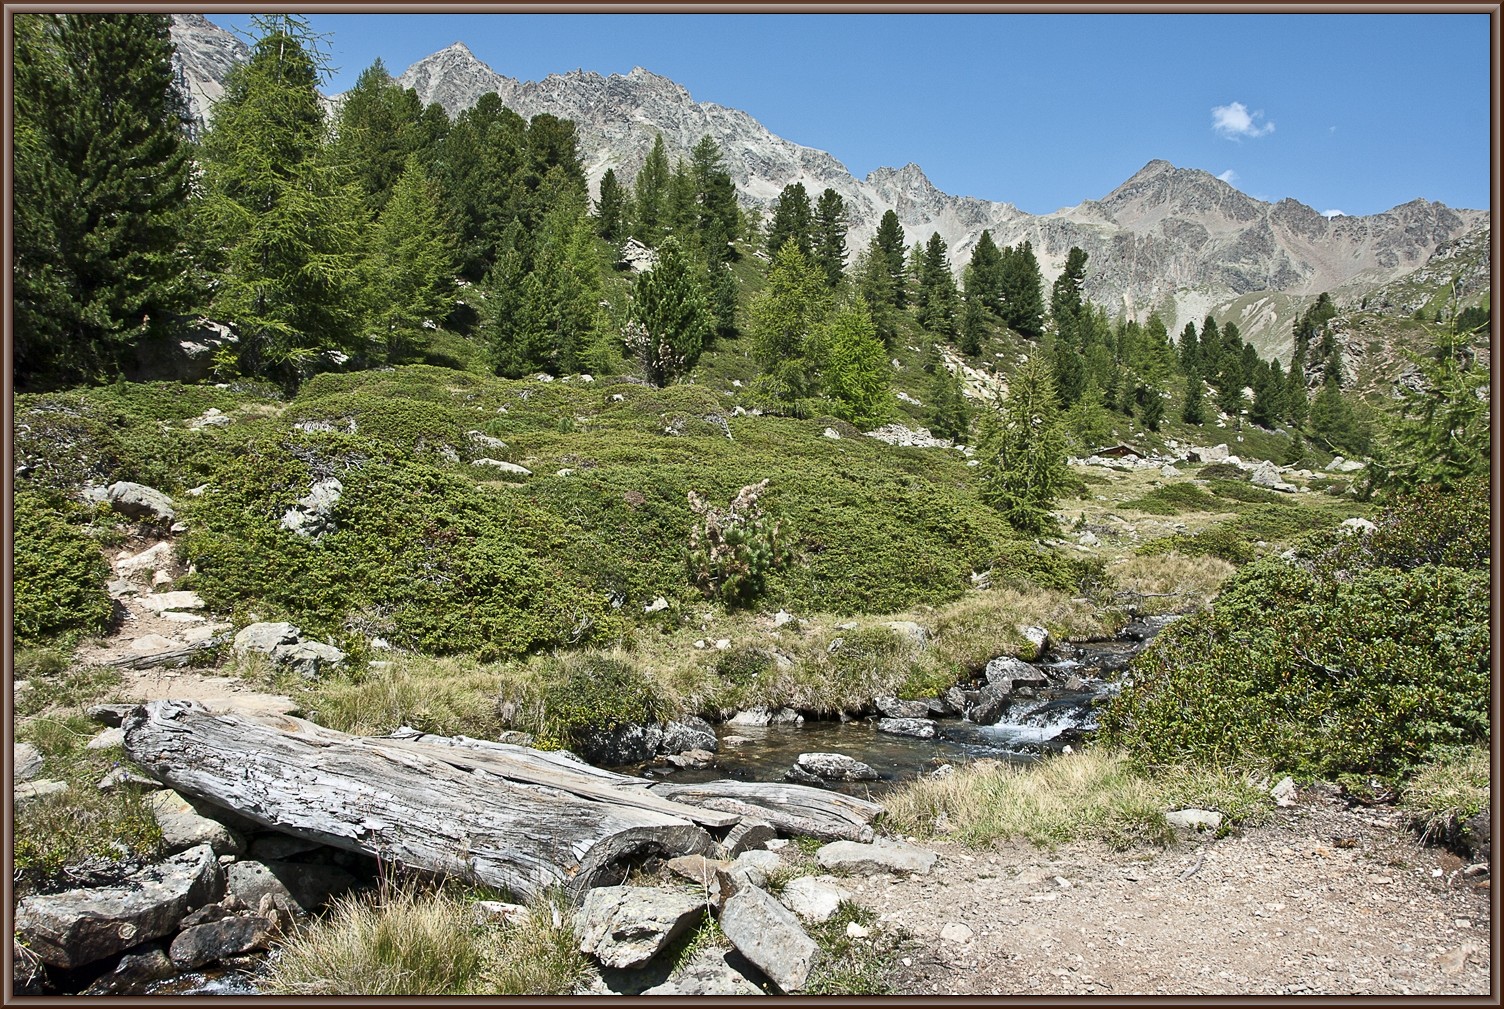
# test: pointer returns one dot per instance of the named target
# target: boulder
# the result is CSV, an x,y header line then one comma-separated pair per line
x,y
709,972
41,788
215,940
151,559
111,715
137,501
768,934
183,826
690,758
1194,819
920,728
134,972
767,716
308,658
625,926
299,887
266,636
626,744
813,898
106,739
161,602
835,767
1358,526
77,927
892,707
799,776
881,856
1266,474
698,869
503,466
689,733
28,761
313,515
1007,673
909,629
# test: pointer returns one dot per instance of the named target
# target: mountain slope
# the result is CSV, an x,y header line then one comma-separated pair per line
x,y
1170,239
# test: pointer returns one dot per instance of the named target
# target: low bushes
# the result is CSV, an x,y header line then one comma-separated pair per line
x,y
58,577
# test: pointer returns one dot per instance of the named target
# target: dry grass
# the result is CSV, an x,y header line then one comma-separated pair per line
x,y
1449,789
443,696
1091,795
1169,583
404,941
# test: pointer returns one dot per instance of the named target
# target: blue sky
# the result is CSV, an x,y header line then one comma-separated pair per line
x,y
1345,112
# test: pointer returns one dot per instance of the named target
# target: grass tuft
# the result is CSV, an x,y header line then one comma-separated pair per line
x,y
1447,790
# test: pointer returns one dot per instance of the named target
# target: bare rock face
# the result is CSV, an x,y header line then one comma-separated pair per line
x,y
203,55
81,926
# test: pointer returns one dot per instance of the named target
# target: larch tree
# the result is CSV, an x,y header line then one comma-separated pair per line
x,y
409,269
650,193
1023,470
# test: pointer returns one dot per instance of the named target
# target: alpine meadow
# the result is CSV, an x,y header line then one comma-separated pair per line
x,y
477,536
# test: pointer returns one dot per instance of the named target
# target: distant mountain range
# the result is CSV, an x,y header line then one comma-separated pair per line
x,y
1175,240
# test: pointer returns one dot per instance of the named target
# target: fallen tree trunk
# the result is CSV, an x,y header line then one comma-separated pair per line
x,y
792,809
398,800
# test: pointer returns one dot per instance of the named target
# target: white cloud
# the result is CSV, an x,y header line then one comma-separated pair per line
x,y
1229,176
1235,122
1332,213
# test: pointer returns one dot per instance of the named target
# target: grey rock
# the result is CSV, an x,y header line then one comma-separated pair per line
x,y
41,788
710,972
954,700
162,602
265,636
1008,673
313,516
881,856
1283,793
698,869
298,887
767,716
799,776
812,898
763,860
892,707
1360,526
184,826
768,934
835,767
106,739
81,926
484,440
27,761
689,733
134,972
503,466
112,715
919,728
916,634
625,926
987,705
748,835
626,744
215,940
137,501
690,758
1194,819
150,559
121,777
308,658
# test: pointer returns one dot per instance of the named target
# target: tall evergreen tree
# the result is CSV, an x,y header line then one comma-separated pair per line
x,y
668,322
1190,349
1193,404
793,221
1335,425
611,209
411,259
719,216
1066,297
973,312
936,295
377,131
286,220
785,315
1023,291
875,284
1441,435
650,196
890,240
947,414
1023,471
985,281
102,180
854,369
1297,401
829,237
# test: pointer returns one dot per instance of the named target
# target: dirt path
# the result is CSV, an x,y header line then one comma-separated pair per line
x,y
1325,900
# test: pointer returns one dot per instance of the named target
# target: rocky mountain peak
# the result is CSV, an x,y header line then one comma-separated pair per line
x,y
203,56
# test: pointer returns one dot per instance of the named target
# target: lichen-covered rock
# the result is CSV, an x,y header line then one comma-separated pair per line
x,y
137,501
77,927
768,934
625,926
215,940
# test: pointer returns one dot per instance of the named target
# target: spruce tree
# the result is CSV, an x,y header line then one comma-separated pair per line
x,y
1023,291
650,196
102,180
985,276
1190,349
784,316
875,284
715,194
890,240
947,415
610,209
1193,404
936,294
286,219
1067,294
793,221
829,238
668,322
378,130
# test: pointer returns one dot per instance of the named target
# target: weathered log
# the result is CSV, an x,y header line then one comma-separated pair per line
x,y
173,658
793,809
397,801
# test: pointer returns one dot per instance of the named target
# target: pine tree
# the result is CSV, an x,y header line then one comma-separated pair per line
x,y
829,238
948,415
611,209
1066,296
973,315
102,181
650,196
1334,423
668,322
1268,395
409,270
1023,471
793,221
719,216
985,275
378,130
287,221
1297,402
890,240
1151,407
875,284
1190,349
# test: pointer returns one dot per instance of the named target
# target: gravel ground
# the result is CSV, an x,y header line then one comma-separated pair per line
x,y
1325,900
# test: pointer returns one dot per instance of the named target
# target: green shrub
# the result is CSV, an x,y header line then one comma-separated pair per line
x,y
1241,490
1223,471
1172,499
732,551
1314,675
1023,564
578,694
1428,526
1223,541
59,577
